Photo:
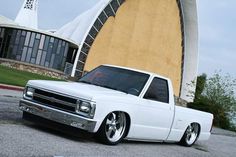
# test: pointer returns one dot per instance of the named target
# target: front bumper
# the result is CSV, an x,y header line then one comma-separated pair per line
x,y
57,115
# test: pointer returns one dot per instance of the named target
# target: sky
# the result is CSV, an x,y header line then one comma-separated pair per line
x,y
216,22
217,34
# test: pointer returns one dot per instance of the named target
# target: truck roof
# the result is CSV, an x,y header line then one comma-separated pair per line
x,y
133,69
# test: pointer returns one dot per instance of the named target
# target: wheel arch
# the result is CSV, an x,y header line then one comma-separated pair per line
x,y
183,141
128,120
199,131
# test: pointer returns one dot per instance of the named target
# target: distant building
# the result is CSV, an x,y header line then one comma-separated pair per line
x,y
160,36
20,40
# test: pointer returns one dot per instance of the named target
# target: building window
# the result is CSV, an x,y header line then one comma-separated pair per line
x,y
38,57
23,33
32,39
43,58
93,32
78,73
98,25
80,67
45,47
28,55
121,1
109,11
41,42
82,57
85,49
38,36
115,5
27,38
34,48
24,53
102,17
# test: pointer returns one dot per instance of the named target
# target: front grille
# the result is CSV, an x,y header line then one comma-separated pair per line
x,y
53,100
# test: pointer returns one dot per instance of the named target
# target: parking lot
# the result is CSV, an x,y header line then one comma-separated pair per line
x,y
22,138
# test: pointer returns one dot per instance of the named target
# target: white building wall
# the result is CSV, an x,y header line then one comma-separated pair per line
x,y
190,21
28,14
78,29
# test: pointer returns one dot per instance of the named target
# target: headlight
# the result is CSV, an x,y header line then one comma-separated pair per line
x,y
85,108
28,92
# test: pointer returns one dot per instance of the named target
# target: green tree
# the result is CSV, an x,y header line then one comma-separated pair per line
x,y
201,81
216,95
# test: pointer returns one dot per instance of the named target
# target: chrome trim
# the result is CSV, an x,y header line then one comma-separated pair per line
x,y
66,103
57,115
52,99
55,92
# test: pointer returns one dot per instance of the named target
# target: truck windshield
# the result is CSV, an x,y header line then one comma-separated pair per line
x,y
128,81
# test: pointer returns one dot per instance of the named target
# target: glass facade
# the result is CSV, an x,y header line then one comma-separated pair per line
x,y
35,48
110,10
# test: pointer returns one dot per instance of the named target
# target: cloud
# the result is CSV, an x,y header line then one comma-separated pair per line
x,y
217,48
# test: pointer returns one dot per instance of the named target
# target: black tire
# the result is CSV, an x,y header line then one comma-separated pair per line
x,y
190,135
113,132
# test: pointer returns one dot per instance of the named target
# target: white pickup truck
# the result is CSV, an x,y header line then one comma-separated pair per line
x,y
116,103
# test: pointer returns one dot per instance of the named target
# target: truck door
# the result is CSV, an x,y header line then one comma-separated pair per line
x,y
156,111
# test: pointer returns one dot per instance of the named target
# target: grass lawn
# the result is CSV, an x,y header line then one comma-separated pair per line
x,y
19,78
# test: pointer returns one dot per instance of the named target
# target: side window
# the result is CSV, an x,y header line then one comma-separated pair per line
x,y
158,91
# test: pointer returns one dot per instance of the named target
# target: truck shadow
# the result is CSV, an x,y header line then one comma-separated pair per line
x,y
78,135
72,133
58,129
150,143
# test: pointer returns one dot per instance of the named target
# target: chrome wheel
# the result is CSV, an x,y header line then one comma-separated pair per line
x,y
191,134
115,126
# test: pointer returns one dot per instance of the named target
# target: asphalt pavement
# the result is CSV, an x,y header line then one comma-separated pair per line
x,y
21,138
10,93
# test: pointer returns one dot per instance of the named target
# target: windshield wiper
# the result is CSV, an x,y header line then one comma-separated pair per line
x,y
113,88
105,86
87,82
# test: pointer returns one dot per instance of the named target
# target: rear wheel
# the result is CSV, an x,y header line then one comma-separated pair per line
x,y
191,134
113,128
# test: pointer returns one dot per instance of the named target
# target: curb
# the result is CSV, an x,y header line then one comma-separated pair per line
x,y
9,87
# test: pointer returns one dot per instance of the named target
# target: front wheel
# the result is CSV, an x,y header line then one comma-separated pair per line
x,y
113,128
191,134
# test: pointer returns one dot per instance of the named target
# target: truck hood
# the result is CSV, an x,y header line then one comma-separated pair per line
x,y
75,89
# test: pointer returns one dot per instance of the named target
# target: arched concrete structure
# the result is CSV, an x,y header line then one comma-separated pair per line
x,y
162,37
190,59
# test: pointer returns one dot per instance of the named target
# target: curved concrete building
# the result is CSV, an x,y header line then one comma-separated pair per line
x,y
160,36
